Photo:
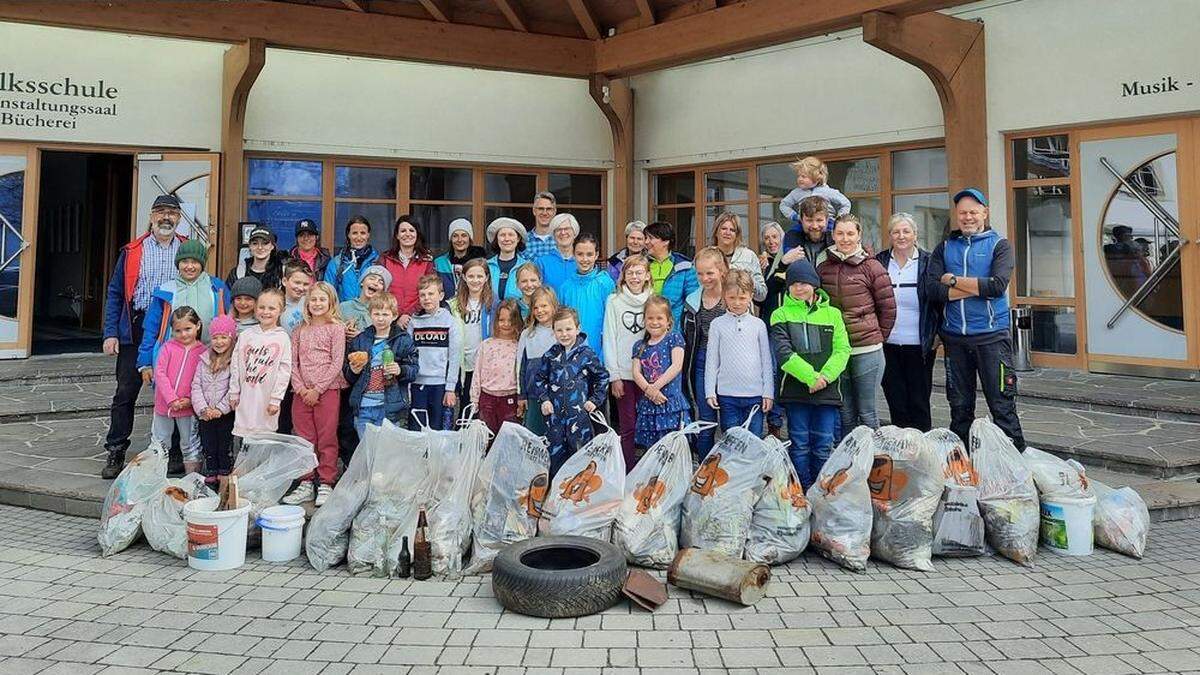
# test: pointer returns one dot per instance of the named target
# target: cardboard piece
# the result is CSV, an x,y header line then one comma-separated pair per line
x,y
644,590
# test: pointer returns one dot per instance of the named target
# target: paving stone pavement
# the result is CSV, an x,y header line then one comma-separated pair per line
x,y
64,609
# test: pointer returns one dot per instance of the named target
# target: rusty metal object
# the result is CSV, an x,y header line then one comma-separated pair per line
x,y
719,575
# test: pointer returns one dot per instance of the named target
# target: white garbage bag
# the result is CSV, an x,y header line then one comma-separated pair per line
x,y
841,502
163,522
1056,478
509,494
328,535
586,493
121,514
718,508
450,516
1121,521
1007,495
267,465
647,525
906,487
957,523
779,528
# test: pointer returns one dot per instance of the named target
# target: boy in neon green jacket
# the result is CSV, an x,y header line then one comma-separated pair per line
x,y
811,347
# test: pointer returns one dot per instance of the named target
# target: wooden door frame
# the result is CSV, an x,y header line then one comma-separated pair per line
x,y
214,197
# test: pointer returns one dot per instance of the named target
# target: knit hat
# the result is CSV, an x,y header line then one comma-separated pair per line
x,y
247,285
635,226
192,250
565,219
223,325
803,272
379,271
461,225
511,223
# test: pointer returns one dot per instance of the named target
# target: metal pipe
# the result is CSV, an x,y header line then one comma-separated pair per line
x,y
1155,208
1151,282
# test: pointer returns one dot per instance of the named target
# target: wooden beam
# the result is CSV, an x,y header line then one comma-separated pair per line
x,y
438,9
950,52
512,12
739,27
243,62
615,99
320,29
354,5
586,21
646,11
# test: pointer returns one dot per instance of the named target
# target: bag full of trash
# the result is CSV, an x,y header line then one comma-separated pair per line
x,y
125,503
1056,478
450,515
1121,521
163,523
906,487
1008,498
509,494
586,493
328,535
779,528
267,466
957,522
647,525
720,504
841,502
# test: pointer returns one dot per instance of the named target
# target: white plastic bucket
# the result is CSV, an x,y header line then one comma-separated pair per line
x,y
216,539
282,527
1067,525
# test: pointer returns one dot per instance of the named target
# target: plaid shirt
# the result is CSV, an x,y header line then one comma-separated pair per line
x,y
536,247
158,267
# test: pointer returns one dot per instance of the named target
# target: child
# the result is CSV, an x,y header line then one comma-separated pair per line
x,y
529,279
536,339
261,369
390,358
297,279
587,290
174,368
318,351
245,299
571,383
657,366
812,348
355,314
210,397
811,174
624,325
699,309
739,373
438,337
474,306
494,387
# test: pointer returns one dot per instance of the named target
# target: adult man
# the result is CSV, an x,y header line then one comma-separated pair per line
x,y
969,273
672,274
811,237
558,265
541,239
143,265
635,244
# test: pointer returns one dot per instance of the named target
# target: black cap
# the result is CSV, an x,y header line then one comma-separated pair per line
x,y
165,201
260,231
307,225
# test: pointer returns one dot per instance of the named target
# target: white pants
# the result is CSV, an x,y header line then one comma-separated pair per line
x,y
189,440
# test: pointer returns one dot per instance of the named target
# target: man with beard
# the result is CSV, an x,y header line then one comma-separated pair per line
x,y
810,237
143,265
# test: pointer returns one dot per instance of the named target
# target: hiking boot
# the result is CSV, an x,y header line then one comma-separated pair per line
x,y
175,468
302,493
116,462
323,492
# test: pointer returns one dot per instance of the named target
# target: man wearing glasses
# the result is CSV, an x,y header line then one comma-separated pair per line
x,y
541,239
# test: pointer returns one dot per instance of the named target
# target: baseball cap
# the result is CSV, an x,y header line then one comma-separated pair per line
x,y
306,225
973,193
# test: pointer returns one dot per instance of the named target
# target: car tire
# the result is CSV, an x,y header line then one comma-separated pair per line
x,y
559,576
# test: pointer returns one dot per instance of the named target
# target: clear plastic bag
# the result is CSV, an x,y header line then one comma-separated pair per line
x,y
328,535
1055,477
163,523
718,508
1008,498
267,466
779,528
121,514
647,525
906,487
841,502
450,516
957,522
1121,521
509,494
586,493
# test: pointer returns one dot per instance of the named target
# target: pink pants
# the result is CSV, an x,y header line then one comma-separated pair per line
x,y
627,420
318,425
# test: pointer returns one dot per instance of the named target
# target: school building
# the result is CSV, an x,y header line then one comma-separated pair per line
x,y
1080,118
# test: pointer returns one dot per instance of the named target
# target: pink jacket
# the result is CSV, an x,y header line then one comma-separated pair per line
x,y
495,368
173,373
209,389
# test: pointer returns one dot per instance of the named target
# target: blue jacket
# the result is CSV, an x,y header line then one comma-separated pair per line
x,y
445,268
986,256
396,392
118,303
346,282
555,270
511,292
680,283
588,295
156,327
568,378
931,312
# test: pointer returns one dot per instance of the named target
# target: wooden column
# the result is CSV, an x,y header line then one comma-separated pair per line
x,y
950,52
243,63
615,99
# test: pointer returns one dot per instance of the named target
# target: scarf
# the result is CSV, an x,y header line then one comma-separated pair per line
x,y
860,251
198,295
351,259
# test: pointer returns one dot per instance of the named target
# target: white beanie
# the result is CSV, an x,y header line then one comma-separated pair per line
x,y
565,219
461,225
511,223
635,226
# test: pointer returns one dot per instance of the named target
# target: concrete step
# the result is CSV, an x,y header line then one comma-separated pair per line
x,y
61,400
58,368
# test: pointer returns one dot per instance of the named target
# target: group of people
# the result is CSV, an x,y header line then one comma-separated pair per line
x,y
543,332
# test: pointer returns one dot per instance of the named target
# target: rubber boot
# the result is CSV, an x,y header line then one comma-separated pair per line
x,y
116,462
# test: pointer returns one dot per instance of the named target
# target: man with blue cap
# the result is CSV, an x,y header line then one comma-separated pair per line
x,y
969,274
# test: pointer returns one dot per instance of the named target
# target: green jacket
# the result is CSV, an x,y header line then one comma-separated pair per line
x,y
809,340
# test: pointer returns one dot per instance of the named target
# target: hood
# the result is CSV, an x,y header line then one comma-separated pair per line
x,y
854,259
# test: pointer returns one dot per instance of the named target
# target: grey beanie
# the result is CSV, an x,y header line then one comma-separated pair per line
x,y
247,285
379,271
461,225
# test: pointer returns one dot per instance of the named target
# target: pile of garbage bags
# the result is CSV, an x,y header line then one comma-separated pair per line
x,y
841,502
125,504
510,493
1008,497
587,491
720,504
906,487
957,522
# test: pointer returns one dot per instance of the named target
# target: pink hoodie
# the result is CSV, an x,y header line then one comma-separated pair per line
x,y
173,373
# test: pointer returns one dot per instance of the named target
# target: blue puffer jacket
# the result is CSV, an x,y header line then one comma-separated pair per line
x,y
511,292
344,272
588,295
395,393
156,326
680,283
986,256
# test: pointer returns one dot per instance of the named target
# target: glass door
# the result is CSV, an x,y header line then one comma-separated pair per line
x,y
17,223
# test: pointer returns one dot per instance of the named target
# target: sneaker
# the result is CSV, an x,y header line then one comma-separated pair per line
x,y
323,492
116,462
302,493
175,468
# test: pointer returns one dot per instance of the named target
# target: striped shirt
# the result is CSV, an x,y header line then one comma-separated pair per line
x,y
158,267
738,360
538,246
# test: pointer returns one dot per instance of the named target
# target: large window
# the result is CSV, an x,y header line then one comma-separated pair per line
x,y
282,192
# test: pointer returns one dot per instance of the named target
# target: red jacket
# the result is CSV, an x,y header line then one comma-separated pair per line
x,y
405,278
862,289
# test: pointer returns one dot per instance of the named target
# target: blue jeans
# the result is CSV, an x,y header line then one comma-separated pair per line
x,y
428,397
704,412
374,415
735,409
810,429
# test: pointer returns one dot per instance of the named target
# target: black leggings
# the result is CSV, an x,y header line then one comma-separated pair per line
x,y
216,438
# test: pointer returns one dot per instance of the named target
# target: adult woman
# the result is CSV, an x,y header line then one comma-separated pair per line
x,y
635,244
507,236
450,264
909,350
774,270
407,261
859,286
345,270
261,260
727,236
